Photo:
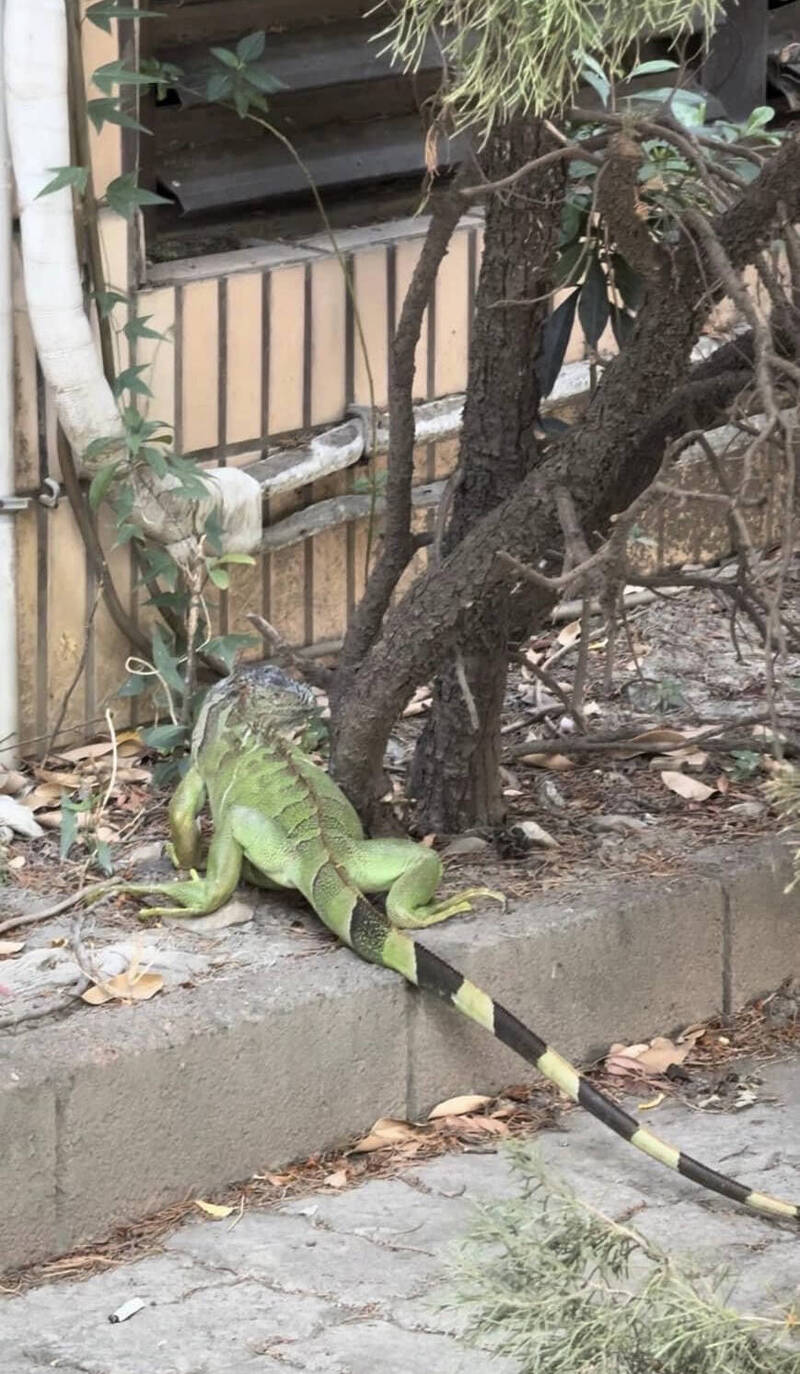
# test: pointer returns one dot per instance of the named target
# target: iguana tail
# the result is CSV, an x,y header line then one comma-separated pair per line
x,y
371,935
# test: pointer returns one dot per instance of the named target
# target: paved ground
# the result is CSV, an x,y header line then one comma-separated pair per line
x,y
346,1283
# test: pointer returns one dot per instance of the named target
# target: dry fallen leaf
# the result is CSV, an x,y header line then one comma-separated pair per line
x,y
337,1180
650,742
691,789
459,1106
213,1209
11,781
489,1124
387,1131
44,795
569,634
125,987
8,947
653,1058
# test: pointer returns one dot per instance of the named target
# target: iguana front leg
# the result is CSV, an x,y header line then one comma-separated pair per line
x,y
198,896
409,874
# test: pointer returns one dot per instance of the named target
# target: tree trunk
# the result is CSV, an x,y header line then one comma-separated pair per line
x,y
455,774
607,459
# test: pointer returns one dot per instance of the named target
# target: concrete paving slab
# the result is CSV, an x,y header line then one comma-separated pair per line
x,y
351,1283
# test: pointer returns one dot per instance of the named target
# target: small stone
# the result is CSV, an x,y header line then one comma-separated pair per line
x,y
619,825
146,853
18,817
235,913
748,810
464,844
534,834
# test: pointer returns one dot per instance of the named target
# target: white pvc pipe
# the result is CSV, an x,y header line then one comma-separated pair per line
x,y
35,63
8,579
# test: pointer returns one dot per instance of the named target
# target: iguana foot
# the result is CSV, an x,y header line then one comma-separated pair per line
x,y
195,896
442,911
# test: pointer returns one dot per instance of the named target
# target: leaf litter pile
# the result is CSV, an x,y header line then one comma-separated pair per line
x,y
673,754
713,1066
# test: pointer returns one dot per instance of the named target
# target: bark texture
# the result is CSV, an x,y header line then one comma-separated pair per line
x,y
455,775
604,462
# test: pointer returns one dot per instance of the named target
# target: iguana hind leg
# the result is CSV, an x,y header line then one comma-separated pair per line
x,y
409,874
185,807
198,896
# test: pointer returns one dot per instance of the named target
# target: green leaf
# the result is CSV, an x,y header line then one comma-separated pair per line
x,y
241,101
155,459
227,647
70,810
245,558
592,72
107,300
133,686
573,216
130,380
228,58
127,531
599,84
263,81
98,448
555,337
101,482
137,329
123,195
593,305
104,11
164,737
659,64
629,284
251,47
213,531
116,73
166,662
219,87
102,857
622,324
758,118
220,578
65,176
105,110
573,258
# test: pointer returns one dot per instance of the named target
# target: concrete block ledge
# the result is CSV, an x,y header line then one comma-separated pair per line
x,y
104,1118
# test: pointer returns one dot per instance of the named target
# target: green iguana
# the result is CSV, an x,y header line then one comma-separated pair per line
x,y
283,822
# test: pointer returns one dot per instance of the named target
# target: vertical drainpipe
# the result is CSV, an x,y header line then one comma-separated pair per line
x,y
8,561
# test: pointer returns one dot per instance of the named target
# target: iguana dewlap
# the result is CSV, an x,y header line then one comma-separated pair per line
x,y
281,820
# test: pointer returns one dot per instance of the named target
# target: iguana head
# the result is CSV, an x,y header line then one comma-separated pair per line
x,y
263,699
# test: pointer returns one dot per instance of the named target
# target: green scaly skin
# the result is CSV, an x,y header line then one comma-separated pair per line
x,y
281,821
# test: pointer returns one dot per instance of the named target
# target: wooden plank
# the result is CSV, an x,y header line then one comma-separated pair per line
x,y
233,174
371,302
187,21
200,381
287,332
243,410
330,568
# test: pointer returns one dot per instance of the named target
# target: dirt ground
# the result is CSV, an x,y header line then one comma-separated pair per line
x,y
680,668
